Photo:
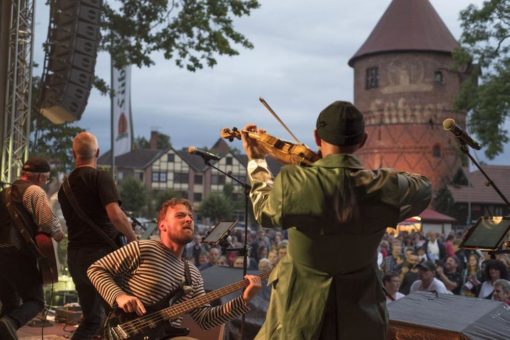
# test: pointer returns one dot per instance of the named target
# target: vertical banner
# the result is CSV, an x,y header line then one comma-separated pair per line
x,y
121,110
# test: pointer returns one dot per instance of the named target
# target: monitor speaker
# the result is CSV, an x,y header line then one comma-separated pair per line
x,y
72,45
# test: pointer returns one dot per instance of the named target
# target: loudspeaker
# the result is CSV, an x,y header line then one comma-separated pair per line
x,y
424,315
73,42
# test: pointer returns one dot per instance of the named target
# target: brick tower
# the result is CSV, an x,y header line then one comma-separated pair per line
x,y
405,85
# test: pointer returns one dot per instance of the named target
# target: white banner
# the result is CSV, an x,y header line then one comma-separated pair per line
x,y
122,111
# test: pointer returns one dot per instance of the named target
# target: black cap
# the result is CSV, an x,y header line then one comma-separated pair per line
x,y
36,164
341,123
427,265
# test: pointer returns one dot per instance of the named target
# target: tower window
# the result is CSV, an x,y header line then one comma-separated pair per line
x,y
438,77
372,77
436,151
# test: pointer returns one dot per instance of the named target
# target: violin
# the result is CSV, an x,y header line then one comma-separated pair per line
x,y
283,151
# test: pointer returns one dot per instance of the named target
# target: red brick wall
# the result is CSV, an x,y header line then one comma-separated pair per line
x,y
404,114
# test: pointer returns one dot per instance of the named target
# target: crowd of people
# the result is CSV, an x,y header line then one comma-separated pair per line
x,y
434,262
409,262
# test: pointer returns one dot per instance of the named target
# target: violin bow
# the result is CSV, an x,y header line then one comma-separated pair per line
x,y
266,105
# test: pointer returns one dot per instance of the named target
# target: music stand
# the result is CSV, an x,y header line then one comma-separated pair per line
x,y
219,232
487,234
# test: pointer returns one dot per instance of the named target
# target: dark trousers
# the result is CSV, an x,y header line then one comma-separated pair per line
x,y
92,305
21,290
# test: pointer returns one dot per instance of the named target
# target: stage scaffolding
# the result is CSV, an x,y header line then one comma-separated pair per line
x,y
18,87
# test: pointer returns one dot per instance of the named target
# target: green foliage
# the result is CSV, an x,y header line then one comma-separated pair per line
x,y
133,195
141,143
192,32
162,196
485,41
443,202
216,207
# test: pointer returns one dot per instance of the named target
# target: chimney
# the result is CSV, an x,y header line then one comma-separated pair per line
x,y
153,143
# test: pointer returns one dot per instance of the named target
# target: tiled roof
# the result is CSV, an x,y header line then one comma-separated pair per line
x,y
137,159
478,192
408,25
194,161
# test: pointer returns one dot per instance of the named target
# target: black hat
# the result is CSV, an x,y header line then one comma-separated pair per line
x,y
427,265
341,123
36,164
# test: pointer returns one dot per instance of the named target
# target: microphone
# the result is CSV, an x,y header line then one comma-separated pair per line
x,y
449,125
207,156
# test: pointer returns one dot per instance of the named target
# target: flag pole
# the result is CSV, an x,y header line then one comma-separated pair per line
x,y
112,130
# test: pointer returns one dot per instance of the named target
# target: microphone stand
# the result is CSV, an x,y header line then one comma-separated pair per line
x,y
464,149
244,250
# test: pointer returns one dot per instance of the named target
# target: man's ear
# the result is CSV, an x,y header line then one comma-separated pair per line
x,y
318,140
162,226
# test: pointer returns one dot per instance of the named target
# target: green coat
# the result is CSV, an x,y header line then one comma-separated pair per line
x,y
322,251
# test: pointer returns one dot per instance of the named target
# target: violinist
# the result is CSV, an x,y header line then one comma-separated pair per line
x,y
336,212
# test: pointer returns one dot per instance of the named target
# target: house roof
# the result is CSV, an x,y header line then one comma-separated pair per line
x,y
138,159
408,25
478,192
194,161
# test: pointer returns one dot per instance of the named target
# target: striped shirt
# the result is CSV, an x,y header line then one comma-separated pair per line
x,y
148,270
35,201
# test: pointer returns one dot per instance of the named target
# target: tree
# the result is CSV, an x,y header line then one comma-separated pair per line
x,y
164,195
216,207
133,195
192,32
485,42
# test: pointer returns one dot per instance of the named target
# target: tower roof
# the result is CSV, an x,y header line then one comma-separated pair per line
x,y
408,25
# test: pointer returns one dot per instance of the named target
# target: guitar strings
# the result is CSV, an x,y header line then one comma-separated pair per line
x,y
138,324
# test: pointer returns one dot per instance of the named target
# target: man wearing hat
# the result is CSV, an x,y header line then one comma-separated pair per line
x,y
427,279
19,275
328,285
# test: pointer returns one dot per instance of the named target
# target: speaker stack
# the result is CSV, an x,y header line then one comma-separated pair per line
x,y
72,45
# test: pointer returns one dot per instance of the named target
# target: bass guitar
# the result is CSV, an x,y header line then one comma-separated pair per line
x,y
155,324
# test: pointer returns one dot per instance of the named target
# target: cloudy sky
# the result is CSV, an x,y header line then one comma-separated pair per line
x,y
299,65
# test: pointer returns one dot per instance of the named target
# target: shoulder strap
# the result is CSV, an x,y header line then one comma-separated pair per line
x,y
76,207
18,220
187,274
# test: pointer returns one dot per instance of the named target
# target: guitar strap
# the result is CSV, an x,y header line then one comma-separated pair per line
x,y
19,221
76,207
185,287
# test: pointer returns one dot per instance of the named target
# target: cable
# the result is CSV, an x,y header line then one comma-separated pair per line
x,y
45,313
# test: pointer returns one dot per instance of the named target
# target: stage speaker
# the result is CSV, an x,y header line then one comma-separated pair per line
x,y
424,315
72,45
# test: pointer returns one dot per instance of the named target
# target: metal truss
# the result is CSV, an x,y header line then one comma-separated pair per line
x,y
18,89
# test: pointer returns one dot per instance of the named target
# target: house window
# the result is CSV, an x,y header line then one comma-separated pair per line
x,y
197,197
228,160
170,158
140,176
438,77
181,177
158,176
372,77
436,151
218,179
198,179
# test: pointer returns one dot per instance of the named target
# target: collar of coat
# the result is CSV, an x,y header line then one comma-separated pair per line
x,y
339,161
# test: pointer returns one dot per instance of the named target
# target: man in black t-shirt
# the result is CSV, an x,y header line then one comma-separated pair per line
x,y
97,196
